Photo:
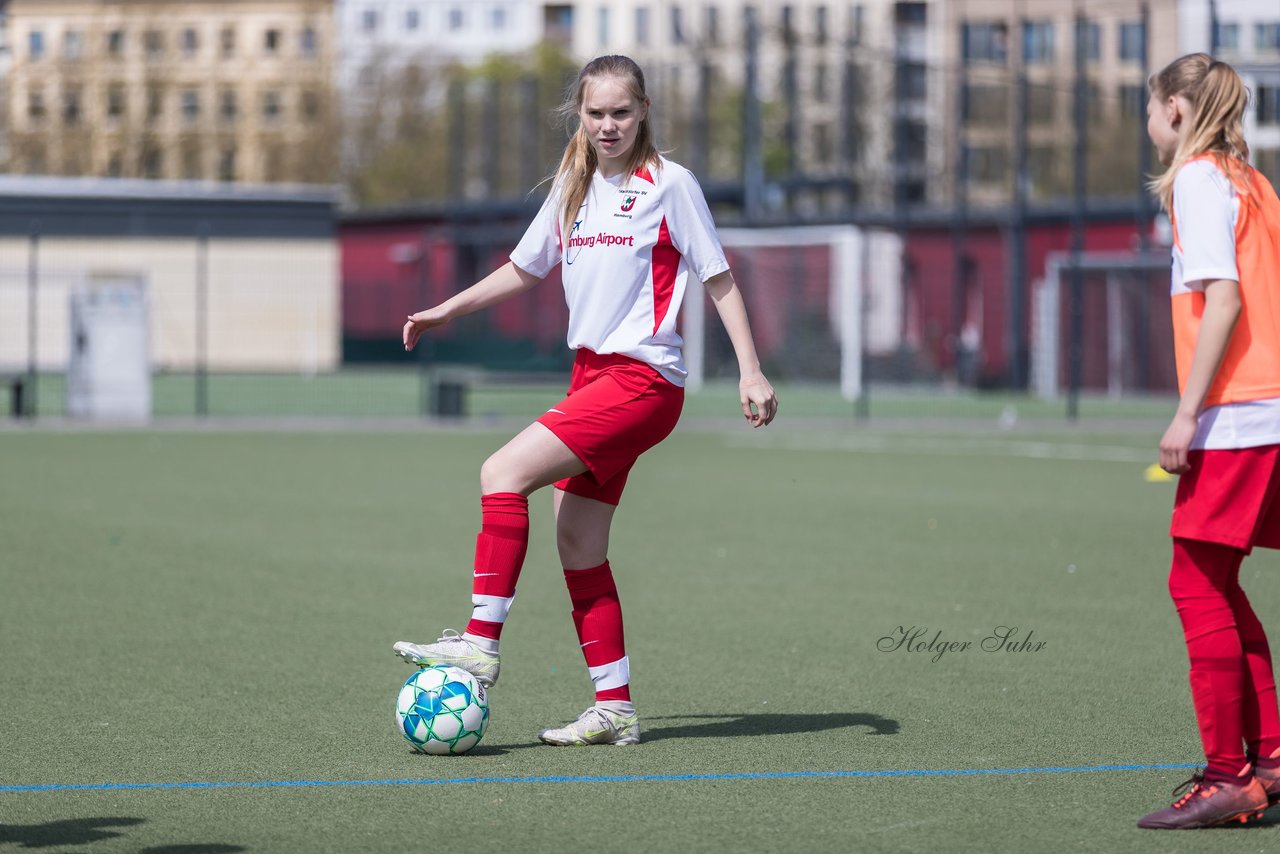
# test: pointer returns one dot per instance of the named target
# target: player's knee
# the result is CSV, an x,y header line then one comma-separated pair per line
x,y
578,550
496,476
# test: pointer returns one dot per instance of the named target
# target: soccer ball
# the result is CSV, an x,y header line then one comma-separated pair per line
x,y
442,710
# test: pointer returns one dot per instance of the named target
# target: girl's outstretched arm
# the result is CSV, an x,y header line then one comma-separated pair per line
x,y
504,282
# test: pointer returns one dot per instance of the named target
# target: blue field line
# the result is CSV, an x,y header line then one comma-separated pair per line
x,y
624,778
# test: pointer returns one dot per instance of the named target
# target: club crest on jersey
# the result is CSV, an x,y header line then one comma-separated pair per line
x,y
629,204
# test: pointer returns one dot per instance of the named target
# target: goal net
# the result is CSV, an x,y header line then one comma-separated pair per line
x,y
1113,335
804,295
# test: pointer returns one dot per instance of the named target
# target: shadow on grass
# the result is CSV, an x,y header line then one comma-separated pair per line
x,y
749,725
768,723
85,831
70,831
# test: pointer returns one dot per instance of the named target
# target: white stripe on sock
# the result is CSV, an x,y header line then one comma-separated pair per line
x,y
491,609
615,674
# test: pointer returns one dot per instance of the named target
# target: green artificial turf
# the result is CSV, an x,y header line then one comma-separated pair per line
x,y
219,607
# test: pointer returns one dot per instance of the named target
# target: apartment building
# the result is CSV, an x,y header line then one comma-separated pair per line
x,y
377,33
839,82
235,90
1247,35
990,43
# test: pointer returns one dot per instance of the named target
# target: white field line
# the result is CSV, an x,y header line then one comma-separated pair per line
x,y
951,447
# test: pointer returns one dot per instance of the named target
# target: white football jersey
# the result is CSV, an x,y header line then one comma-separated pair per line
x,y
627,260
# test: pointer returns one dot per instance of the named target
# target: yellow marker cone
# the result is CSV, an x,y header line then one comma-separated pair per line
x,y
1155,474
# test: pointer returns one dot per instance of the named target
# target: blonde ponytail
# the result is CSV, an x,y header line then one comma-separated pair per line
x,y
1218,99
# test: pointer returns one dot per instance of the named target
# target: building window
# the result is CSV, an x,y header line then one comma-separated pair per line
x,y
986,43
820,25
116,101
35,106
115,44
821,83
853,32
788,25
912,79
228,107
642,26
35,44
153,40
1037,42
498,18
369,20
310,105
988,165
271,42
152,162
911,138
602,26
1092,41
71,106
412,20
1228,36
1045,166
227,40
191,160
190,43
1268,105
155,103
457,18
115,165
271,106
1133,101
822,147
677,25
985,105
227,164
713,26
310,43
190,105
1132,39
1266,36
1040,104
72,45
910,14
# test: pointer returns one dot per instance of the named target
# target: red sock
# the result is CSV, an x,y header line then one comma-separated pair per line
x,y
500,549
597,615
1261,715
1198,582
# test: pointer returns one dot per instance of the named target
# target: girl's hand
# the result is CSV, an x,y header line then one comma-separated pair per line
x,y
759,403
1176,443
419,323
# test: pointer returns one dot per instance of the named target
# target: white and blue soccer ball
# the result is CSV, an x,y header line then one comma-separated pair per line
x,y
442,710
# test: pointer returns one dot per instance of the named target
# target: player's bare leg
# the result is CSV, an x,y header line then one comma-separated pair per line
x,y
531,460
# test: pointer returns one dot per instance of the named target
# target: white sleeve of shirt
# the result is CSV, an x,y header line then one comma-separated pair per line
x,y
689,222
1204,208
540,250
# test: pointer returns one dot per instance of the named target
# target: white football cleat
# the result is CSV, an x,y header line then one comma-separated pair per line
x,y
595,726
454,650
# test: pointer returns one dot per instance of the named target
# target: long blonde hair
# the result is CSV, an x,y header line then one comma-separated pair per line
x,y
579,162
1218,99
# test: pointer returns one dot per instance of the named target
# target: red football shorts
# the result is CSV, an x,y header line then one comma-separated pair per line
x,y
1229,497
617,409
